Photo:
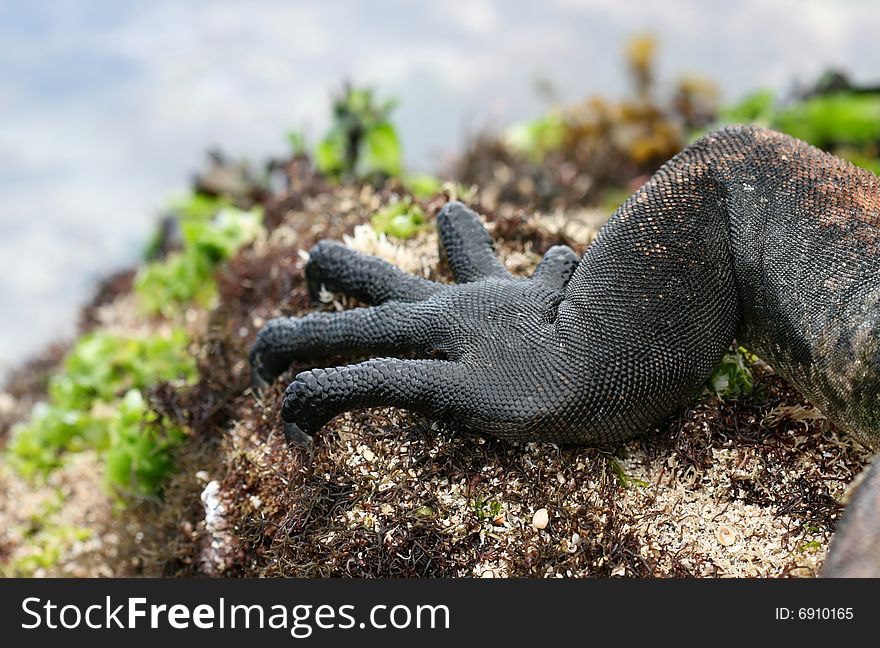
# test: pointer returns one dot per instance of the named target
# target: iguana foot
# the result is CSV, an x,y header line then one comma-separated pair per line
x,y
484,351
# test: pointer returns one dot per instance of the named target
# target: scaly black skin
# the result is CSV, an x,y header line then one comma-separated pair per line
x,y
747,233
855,549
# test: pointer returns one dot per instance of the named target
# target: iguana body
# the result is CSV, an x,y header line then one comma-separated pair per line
x,y
855,550
746,234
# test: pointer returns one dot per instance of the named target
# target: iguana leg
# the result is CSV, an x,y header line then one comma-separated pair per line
x,y
444,390
392,328
367,278
316,396
465,334
467,245
855,549
524,358
557,266
471,256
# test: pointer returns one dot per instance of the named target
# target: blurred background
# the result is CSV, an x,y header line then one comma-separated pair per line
x,y
107,107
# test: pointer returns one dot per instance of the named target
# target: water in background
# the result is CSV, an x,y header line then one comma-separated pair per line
x,y
107,107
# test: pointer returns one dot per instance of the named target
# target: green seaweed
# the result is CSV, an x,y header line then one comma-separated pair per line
x,y
732,377
187,277
95,403
362,142
401,219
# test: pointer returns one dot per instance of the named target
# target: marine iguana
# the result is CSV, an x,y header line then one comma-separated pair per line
x,y
747,234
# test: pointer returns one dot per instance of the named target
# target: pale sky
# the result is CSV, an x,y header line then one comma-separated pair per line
x,y
106,107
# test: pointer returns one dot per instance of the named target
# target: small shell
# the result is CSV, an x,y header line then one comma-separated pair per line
x,y
540,519
726,535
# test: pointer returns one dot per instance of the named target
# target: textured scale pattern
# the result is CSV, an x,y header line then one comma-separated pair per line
x,y
855,549
747,233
